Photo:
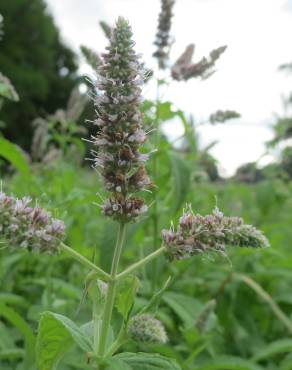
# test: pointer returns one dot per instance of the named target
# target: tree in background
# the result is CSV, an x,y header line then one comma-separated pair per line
x,y
42,68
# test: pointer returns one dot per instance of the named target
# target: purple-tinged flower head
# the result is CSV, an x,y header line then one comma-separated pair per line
x,y
163,38
184,69
29,227
145,328
197,234
120,136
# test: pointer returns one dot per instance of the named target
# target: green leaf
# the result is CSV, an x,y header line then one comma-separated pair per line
x,y
229,363
126,295
11,354
14,155
184,306
55,335
181,180
15,319
272,349
145,361
165,112
116,364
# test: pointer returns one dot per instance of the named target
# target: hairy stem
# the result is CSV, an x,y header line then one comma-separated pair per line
x,y
141,263
111,292
84,261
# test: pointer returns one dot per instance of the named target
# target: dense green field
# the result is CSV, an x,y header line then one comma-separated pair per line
x,y
250,326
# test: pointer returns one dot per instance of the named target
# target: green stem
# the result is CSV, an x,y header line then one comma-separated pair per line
x,y
155,176
140,264
111,292
84,261
121,339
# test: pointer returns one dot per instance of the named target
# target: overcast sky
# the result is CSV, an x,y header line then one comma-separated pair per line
x,y
258,35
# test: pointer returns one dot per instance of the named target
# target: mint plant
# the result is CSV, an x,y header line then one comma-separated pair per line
x,y
120,159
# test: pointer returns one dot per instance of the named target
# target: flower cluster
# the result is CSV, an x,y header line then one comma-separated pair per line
x,y
145,328
29,227
184,69
162,36
199,234
220,116
120,135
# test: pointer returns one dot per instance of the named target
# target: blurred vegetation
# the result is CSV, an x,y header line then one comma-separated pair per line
x,y
42,67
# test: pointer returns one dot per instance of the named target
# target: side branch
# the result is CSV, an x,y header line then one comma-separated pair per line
x,y
84,261
141,263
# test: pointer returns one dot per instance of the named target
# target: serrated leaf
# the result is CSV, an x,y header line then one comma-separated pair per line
x,y
55,335
14,155
116,364
146,361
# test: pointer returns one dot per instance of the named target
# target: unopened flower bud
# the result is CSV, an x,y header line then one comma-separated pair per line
x,y
145,328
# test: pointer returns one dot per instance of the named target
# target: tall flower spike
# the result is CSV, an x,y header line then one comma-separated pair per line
x,y
119,120
163,41
202,234
26,227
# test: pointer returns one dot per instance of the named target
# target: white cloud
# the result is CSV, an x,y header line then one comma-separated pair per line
x,y
257,33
